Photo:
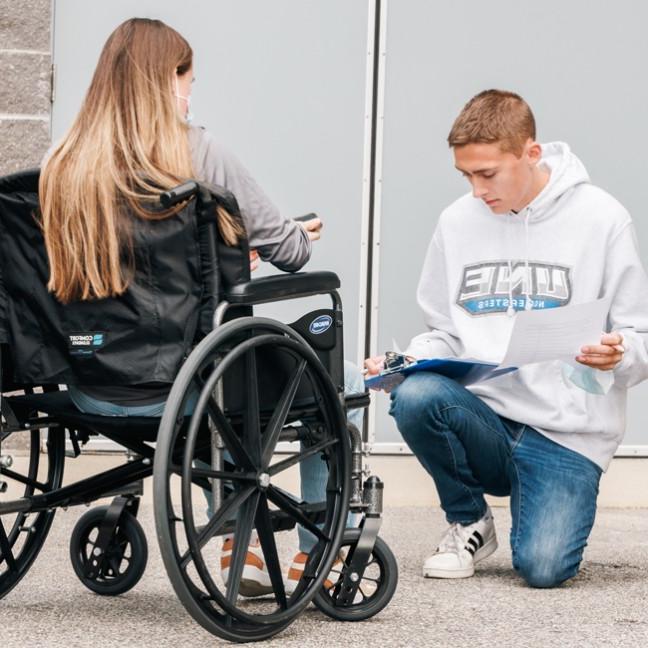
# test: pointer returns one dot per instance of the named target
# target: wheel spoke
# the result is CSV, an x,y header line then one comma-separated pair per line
x,y
230,438
269,547
280,466
217,522
278,420
240,543
288,505
251,419
24,480
5,549
115,564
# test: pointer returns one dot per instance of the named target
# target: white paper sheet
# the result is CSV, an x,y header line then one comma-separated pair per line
x,y
555,333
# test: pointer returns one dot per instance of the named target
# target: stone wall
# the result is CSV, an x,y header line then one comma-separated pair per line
x,y
25,106
25,73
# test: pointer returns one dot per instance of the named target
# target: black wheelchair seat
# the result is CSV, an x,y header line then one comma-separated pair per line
x,y
59,406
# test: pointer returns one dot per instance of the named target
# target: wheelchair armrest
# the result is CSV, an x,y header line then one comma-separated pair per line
x,y
286,286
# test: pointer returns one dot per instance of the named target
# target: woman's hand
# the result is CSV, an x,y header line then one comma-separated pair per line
x,y
254,260
313,228
604,356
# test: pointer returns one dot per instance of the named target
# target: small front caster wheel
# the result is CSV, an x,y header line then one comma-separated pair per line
x,y
376,588
124,561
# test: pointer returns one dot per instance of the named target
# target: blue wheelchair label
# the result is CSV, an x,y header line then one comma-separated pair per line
x,y
320,324
85,343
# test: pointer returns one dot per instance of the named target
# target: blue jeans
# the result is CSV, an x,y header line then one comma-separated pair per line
x,y
313,471
469,451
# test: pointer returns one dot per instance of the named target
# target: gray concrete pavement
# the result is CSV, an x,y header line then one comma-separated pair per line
x,y
606,605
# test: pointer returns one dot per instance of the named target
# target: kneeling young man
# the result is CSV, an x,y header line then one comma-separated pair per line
x,y
533,233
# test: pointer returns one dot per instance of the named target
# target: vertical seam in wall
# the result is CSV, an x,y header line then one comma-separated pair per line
x,y
366,228
366,216
375,203
52,65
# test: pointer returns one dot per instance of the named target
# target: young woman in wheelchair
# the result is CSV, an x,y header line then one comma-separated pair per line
x,y
130,141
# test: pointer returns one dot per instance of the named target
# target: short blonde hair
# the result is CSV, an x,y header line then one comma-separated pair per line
x,y
494,116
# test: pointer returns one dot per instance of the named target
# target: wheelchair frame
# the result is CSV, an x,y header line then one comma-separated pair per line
x,y
223,614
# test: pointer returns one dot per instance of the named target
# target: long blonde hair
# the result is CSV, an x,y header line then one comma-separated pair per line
x,y
127,144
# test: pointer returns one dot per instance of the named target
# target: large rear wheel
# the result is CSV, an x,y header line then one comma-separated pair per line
x,y
260,360
25,473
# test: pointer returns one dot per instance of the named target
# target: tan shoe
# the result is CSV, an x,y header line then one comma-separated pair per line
x,y
255,579
296,571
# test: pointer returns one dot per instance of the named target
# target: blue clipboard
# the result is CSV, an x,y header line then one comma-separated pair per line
x,y
464,371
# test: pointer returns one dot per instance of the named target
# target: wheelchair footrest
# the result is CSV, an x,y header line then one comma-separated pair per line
x,y
282,521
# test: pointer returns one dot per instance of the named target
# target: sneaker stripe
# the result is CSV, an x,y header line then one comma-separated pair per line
x,y
250,559
473,544
295,574
479,538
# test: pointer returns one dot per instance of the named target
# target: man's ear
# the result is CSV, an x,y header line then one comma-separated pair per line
x,y
533,151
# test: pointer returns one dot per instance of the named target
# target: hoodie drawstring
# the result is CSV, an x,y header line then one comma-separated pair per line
x,y
528,302
510,311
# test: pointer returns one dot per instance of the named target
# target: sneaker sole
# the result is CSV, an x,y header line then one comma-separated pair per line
x,y
466,572
435,572
252,588
254,582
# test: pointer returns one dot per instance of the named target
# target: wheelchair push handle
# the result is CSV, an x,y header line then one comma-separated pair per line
x,y
179,194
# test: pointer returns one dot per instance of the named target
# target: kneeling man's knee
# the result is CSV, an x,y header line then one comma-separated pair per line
x,y
420,392
406,404
543,568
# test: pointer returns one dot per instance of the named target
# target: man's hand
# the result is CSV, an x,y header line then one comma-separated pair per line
x,y
254,260
313,228
604,356
374,365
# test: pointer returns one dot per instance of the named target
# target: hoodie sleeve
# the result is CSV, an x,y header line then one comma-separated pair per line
x,y
627,284
442,340
280,241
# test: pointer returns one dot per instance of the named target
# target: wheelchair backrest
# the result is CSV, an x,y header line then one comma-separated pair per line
x,y
139,337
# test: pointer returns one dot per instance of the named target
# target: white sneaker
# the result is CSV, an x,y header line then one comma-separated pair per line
x,y
461,548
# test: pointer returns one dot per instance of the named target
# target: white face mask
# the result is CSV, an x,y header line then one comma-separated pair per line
x,y
188,115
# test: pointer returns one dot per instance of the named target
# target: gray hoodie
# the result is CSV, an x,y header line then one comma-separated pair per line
x,y
573,243
280,241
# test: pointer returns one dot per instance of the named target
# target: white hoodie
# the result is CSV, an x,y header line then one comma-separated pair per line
x,y
573,243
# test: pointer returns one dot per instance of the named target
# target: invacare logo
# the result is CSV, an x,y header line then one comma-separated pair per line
x,y
320,324
484,287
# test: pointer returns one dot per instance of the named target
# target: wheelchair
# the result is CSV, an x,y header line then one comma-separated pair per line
x,y
241,385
